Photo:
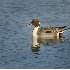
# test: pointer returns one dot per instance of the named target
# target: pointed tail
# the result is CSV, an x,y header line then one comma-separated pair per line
x,y
68,28
64,27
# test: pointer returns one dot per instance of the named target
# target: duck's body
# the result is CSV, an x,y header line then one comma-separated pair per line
x,y
46,32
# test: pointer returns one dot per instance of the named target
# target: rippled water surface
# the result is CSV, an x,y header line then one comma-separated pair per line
x,y
16,38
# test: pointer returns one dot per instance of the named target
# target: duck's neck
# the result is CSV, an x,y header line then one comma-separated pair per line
x,y
35,31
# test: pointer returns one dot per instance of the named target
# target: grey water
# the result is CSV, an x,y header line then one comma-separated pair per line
x,y
16,38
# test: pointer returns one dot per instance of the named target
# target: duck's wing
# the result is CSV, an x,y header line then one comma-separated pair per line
x,y
44,30
59,29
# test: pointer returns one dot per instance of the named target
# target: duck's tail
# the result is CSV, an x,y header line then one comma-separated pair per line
x,y
68,28
64,27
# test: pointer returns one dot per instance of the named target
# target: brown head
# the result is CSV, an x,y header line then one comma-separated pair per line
x,y
35,22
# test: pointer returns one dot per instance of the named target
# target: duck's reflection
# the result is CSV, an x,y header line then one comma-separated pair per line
x,y
36,45
45,41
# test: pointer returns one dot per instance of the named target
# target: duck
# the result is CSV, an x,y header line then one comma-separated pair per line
x,y
46,32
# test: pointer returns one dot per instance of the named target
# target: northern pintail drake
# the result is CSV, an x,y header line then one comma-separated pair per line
x,y
46,32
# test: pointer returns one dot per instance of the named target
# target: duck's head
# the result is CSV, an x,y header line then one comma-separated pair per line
x,y
35,22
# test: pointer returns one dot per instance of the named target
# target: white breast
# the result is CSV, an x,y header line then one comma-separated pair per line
x,y
35,32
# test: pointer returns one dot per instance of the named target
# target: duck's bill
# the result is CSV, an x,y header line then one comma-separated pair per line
x,y
30,24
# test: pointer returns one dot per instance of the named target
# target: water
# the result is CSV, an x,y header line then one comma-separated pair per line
x,y
16,38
